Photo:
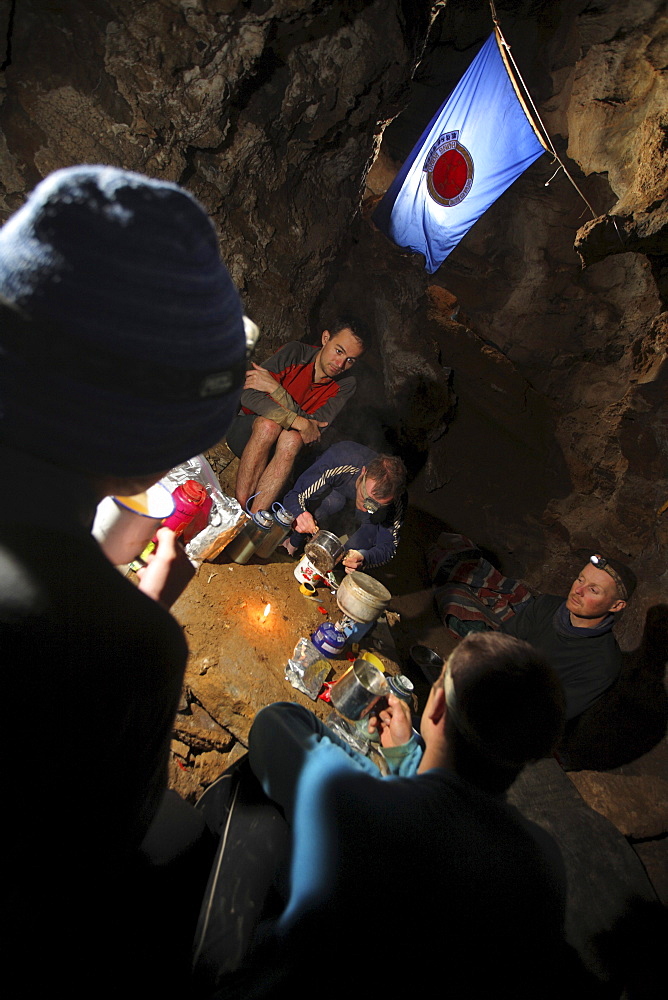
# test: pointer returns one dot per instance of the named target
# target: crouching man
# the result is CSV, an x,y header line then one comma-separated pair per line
x,y
356,493
429,862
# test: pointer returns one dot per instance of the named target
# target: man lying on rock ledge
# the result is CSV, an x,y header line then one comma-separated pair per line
x,y
574,633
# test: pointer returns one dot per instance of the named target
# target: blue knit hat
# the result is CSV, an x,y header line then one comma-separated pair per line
x,y
122,347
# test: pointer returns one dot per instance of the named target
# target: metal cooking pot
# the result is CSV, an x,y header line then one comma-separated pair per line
x,y
324,550
355,694
361,597
428,660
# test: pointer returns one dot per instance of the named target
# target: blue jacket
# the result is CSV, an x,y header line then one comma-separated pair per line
x,y
328,486
502,878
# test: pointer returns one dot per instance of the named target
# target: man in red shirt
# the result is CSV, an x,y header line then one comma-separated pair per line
x,y
285,405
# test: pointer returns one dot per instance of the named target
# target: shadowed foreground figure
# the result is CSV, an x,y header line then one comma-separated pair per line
x,y
122,354
427,864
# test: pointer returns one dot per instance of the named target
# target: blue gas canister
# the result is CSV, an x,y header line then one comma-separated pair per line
x,y
328,639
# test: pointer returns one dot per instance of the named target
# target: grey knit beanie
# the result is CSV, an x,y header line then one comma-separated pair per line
x,y
122,348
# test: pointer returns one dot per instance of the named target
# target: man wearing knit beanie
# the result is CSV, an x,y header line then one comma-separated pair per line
x,y
122,354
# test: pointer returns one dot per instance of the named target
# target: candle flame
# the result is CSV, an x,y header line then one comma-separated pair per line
x,y
266,610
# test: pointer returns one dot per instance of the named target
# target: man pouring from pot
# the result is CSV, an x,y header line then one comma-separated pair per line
x,y
355,493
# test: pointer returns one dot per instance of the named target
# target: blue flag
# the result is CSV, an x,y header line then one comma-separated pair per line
x,y
479,142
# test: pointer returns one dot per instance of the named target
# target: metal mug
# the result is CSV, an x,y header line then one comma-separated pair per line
x,y
124,526
355,694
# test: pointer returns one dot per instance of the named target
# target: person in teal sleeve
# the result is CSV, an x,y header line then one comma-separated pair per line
x,y
432,848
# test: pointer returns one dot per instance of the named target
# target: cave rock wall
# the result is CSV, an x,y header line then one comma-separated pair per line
x,y
570,454
267,110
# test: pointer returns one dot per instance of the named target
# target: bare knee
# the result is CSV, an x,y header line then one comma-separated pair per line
x,y
266,430
289,444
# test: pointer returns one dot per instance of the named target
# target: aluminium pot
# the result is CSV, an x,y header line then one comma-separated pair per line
x,y
355,694
361,597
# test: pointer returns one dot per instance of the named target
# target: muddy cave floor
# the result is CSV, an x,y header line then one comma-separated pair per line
x,y
237,665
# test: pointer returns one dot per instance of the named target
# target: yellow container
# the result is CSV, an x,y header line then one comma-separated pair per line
x,y
372,658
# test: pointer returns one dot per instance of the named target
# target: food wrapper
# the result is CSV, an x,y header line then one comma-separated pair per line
x,y
307,669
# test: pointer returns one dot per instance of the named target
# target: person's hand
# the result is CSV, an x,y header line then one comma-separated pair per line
x,y
394,724
308,429
260,379
433,731
305,524
353,560
168,570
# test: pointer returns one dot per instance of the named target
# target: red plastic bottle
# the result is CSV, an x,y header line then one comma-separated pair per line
x,y
191,511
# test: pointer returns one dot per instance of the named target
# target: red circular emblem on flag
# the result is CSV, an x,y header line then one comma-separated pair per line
x,y
449,168
450,174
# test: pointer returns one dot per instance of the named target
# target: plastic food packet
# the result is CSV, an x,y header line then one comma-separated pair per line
x,y
348,731
307,669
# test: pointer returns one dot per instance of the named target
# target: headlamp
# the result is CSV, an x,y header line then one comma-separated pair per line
x,y
369,503
600,562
